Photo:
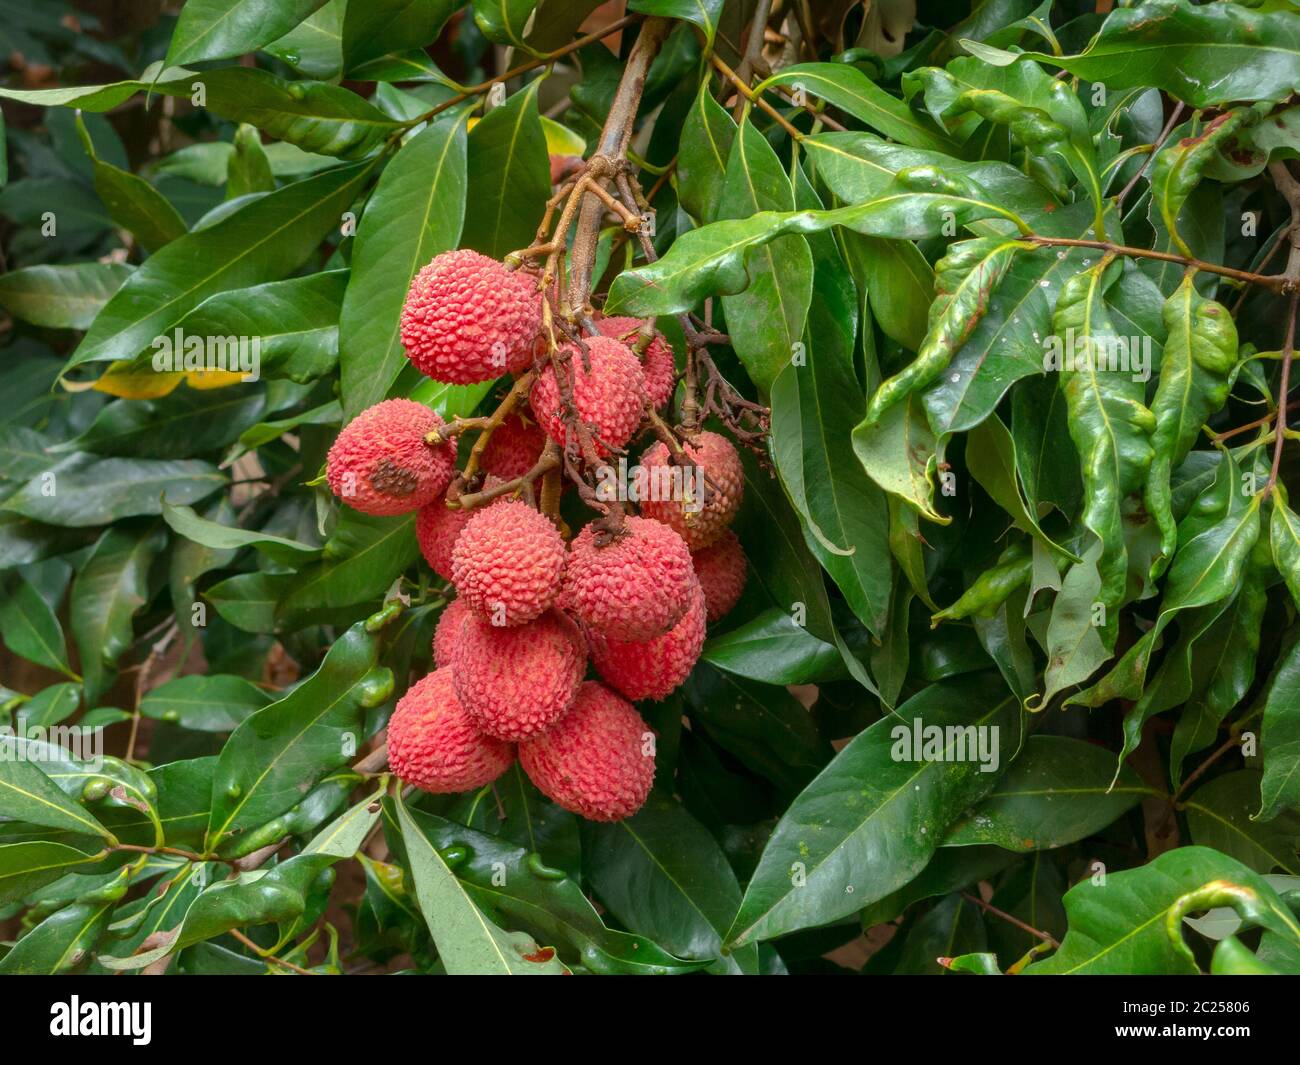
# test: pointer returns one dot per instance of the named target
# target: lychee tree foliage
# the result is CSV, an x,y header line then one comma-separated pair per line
x,y
984,321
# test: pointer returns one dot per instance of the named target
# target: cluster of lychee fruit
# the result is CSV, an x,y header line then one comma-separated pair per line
x,y
532,612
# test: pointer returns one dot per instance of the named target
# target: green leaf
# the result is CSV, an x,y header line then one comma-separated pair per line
x,y
510,172
468,943
281,750
814,408
664,877
1284,537
964,279
311,115
24,867
132,202
766,727
919,202
1057,791
766,319
849,89
220,29
1131,922
361,559
30,628
897,279
29,795
898,451
503,21
514,888
61,297
1202,54
50,705
1219,815
372,30
702,155
1177,171
991,459
111,586
185,423
208,703
772,649
702,13
953,926
184,521
1280,738
294,323
95,492
1009,339
1110,426
1199,355
263,240
416,212
249,170
59,942
871,820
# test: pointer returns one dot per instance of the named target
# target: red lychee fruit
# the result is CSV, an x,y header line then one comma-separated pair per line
x,y
466,317
637,586
508,562
513,449
651,669
717,477
657,361
598,762
437,528
610,398
516,682
721,569
447,632
433,743
380,464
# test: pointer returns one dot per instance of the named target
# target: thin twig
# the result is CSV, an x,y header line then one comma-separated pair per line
x,y
1155,148
990,908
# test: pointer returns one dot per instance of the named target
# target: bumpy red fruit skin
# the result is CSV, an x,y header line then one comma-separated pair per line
x,y
635,587
611,398
433,743
721,569
725,488
380,464
508,562
657,361
447,632
517,682
437,528
593,762
513,449
654,668
459,308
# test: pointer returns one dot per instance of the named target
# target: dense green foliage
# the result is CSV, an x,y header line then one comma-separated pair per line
x,y
919,253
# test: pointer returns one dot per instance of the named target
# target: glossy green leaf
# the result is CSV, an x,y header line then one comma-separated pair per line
x,y
664,877
508,168
870,821
468,943
1057,791
209,703
1203,54
61,297
415,213
30,627
219,29
281,749
262,240
1131,922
